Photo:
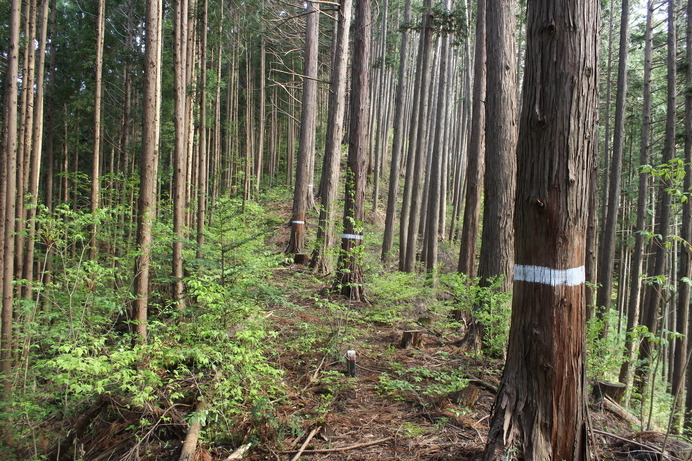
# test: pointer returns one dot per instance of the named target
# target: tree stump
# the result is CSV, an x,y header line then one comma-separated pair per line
x,y
301,258
467,397
613,390
411,337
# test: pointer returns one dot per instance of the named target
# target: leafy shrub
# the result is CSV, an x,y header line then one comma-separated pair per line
x,y
393,293
490,306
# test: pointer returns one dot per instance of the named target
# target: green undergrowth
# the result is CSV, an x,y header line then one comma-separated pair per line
x,y
78,347
420,384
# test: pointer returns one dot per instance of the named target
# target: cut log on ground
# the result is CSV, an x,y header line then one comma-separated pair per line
x,y
239,452
190,444
621,412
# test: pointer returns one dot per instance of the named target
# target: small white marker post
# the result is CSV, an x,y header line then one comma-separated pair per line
x,y
351,362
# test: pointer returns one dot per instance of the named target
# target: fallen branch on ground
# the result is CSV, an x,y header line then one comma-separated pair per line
x,y
340,449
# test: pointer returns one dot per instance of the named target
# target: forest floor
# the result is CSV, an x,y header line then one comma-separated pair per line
x,y
367,417
404,402
430,400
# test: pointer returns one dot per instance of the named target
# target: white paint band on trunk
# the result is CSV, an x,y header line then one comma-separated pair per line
x,y
351,237
548,276
298,222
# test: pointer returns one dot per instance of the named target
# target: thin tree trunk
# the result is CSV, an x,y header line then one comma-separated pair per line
x,y
655,296
606,124
608,237
262,115
26,129
398,141
688,155
417,155
180,151
321,259
476,153
37,147
634,301
308,119
8,178
203,157
96,151
382,101
681,376
146,210
49,170
436,190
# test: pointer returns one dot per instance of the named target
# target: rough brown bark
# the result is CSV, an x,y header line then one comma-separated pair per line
x,y
681,344
413,123
436,189
321,259
475,153
654,297
306,144
349,277
688,156
540,409
146,210
36,151
203,155
418,149
26,129
96,151
180,149
8,174
497,240
607,249
634,301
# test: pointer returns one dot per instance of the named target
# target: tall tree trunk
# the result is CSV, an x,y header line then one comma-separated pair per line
x,y
540,408
37,148
605,187
49,170
25,129
382,102
497,240
435,190
180,150
688,155
321,259
634,301
417,146
146,210
203,157
409,162
654,298
308,120
349,277
96,151
398,141
608,237
262,115
475,153
8,178
681,343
